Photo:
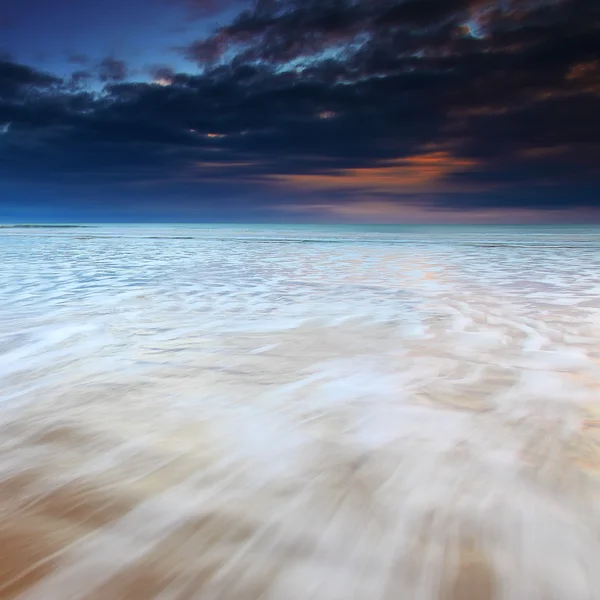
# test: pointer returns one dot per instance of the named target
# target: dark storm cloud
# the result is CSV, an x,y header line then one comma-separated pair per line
x,y
282,30
422,13
462,103
16,81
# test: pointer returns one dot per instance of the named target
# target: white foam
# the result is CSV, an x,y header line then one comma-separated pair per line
x,y
395,384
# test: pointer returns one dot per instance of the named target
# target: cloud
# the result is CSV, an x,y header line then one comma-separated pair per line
x,y
421,173
17,80
412,211
161,74
111,70
453,105
278,31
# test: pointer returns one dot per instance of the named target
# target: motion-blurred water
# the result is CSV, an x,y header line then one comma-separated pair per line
x,y
230,413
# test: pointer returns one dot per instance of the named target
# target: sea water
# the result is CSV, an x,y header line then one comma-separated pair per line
x,y
298,412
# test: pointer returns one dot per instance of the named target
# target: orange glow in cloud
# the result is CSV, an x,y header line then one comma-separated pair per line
x,y
412,212
586,75
584,70
413,174
544,152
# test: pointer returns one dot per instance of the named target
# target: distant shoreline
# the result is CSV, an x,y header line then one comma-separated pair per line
x,y
43,226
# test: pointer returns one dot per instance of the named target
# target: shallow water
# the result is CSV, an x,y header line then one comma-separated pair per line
x,y
293,413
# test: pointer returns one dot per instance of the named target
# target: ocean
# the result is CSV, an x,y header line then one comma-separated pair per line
x,y
235,412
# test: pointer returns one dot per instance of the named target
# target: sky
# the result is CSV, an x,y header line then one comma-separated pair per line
x,y
350,111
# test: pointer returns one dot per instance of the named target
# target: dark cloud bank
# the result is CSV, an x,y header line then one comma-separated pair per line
x,y
346,108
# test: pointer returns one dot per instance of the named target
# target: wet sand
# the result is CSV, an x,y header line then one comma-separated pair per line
x,y
297,483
